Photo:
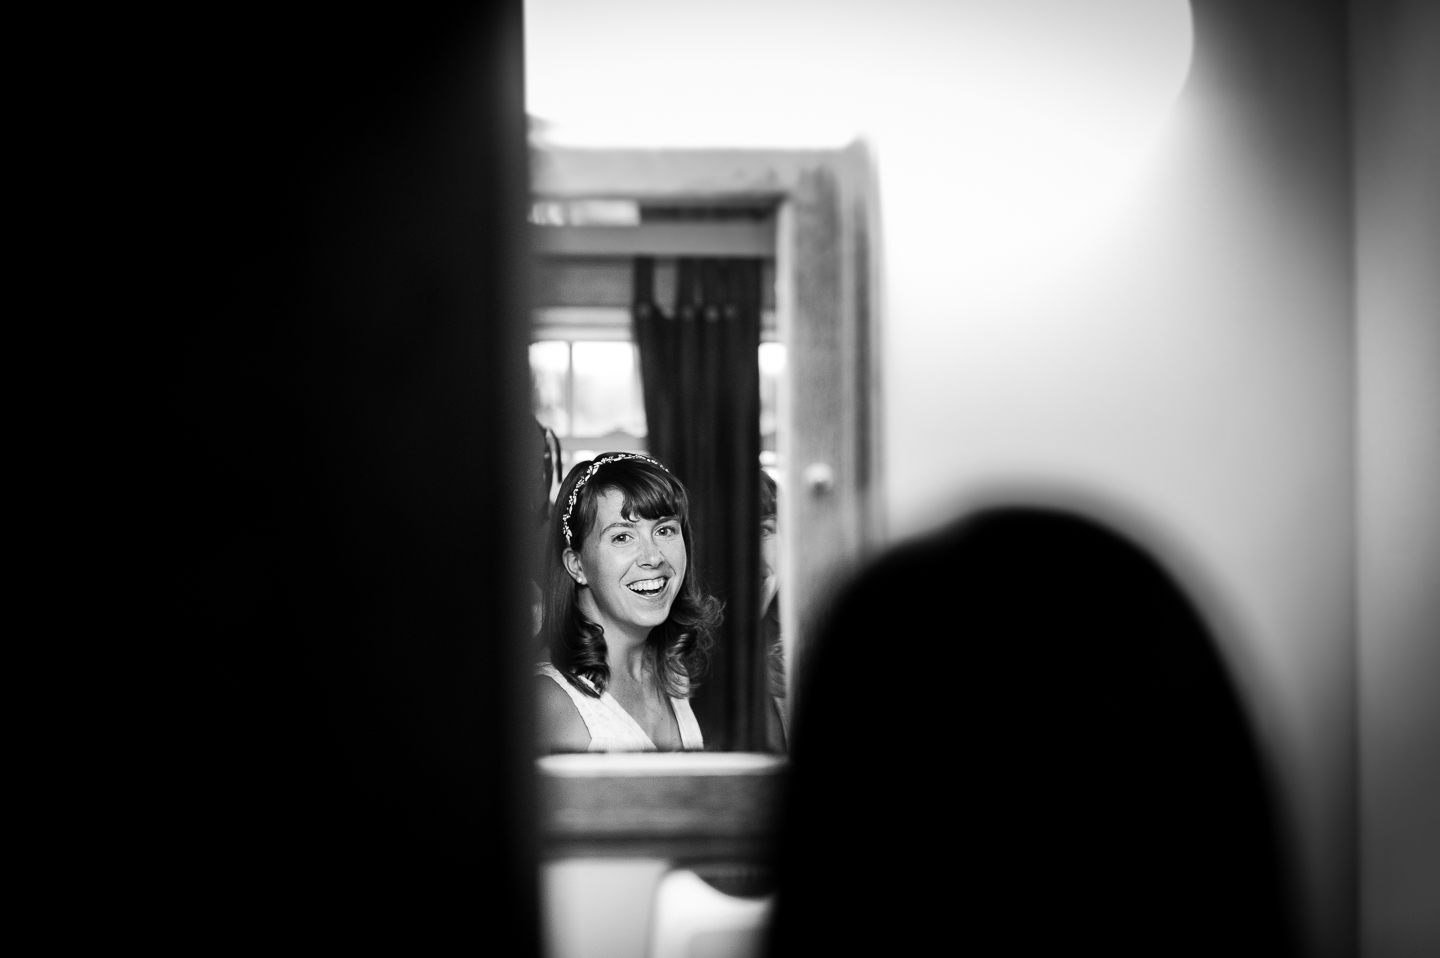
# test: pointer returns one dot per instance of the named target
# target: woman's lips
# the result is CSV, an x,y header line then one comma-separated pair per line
x,y
648,587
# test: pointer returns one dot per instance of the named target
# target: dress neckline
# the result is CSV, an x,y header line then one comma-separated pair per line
x,y
605,696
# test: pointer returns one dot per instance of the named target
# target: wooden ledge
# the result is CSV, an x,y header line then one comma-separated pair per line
x,y
658,239
692,805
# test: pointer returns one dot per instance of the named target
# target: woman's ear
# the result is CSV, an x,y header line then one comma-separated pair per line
x,y
572,566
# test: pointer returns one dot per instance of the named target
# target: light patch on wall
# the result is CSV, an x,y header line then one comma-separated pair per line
x,y
1003,128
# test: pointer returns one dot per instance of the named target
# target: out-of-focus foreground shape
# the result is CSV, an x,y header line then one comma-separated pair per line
x,y
1070,768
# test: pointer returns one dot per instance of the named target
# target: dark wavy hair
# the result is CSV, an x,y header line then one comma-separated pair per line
x,y
678,648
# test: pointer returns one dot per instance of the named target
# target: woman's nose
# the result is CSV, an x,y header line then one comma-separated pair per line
x,y
650,553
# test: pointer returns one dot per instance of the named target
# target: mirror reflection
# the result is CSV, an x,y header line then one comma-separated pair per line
x,y
656,373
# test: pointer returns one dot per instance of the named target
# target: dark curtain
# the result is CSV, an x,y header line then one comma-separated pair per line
x,y
702,403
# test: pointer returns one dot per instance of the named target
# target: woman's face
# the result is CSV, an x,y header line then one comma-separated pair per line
x,y
632,567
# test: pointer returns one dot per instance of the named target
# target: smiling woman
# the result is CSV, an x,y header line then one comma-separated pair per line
x,y
627,628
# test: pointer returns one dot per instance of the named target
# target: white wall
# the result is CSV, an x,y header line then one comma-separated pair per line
x,y
1397,122
1188,373
1105,283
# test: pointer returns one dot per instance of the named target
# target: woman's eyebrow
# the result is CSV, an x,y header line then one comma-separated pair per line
x,y
627,523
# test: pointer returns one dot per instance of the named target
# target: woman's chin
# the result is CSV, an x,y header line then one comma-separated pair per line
x,y
653,613
660,615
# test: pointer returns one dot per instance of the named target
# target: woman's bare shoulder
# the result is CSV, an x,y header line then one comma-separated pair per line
x,y
559,727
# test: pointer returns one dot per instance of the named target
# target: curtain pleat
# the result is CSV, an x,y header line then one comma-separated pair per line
x,y
701,382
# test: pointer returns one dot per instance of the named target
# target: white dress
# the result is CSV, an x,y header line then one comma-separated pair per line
x,y
612,729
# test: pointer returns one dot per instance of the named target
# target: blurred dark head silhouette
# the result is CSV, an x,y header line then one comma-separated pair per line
x,y
1021,733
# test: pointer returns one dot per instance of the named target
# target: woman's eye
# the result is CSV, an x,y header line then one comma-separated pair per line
x,y
621,538
667,531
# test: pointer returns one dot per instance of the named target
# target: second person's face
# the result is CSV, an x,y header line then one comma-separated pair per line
x,y
633,567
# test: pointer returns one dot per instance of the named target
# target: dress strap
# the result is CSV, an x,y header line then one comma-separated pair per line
x,y
690,738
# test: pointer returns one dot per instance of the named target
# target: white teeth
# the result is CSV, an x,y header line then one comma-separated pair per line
x,y
646,585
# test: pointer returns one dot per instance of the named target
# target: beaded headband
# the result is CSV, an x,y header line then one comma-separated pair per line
x,y
589,474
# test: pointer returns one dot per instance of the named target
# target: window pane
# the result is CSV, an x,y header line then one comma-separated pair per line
x,y
772,366
607,390
549,369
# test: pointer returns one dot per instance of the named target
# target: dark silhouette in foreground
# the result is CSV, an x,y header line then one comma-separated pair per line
x,y
1018,737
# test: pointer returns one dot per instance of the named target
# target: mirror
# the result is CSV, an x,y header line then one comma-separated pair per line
x,y
710,308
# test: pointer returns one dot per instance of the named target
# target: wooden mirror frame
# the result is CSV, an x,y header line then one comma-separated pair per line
x,y
827,281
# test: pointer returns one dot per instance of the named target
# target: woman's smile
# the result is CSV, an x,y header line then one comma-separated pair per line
x,y
648,587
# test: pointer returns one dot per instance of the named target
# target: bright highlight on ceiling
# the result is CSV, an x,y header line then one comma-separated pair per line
x,y
1002,120
778,73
